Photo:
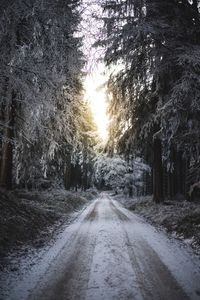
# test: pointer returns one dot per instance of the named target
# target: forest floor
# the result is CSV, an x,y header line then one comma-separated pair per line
x,y
106,252
181,219
29,219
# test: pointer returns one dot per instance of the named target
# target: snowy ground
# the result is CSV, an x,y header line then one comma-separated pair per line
x,y
180,219
29,219
107,253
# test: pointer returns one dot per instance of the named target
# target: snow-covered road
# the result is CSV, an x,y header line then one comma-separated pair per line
x,y
109,253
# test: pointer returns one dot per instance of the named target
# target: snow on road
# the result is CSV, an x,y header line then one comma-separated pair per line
x,y
110,253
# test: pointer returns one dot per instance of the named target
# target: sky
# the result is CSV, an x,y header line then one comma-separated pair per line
x,y
95,93
95,78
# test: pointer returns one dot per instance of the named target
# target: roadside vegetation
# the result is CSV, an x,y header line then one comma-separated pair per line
x,y
31,218
180,219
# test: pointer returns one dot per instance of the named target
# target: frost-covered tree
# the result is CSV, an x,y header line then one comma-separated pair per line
x,y
110,172
83,156
116,173
154,97
42,102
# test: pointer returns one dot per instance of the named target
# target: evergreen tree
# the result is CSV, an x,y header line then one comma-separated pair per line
x,y
41,90
154,94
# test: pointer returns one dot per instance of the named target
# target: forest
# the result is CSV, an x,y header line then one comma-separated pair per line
x,y
154,98
47,131
50,146
47,128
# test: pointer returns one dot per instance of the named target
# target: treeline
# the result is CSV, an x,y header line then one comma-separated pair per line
x,y
153,48
120,175
46,128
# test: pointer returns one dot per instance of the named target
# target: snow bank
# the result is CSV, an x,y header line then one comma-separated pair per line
x,y
31,217
179,218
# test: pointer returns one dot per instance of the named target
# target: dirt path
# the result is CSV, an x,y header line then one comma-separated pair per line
x,y
109,253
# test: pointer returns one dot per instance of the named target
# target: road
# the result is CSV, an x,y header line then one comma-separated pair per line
x,y
110,253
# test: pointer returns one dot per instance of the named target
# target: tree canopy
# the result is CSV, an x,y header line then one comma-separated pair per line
x,y
154,91
44,118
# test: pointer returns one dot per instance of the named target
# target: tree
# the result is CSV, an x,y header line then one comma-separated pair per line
x,y
153,95
41,89
115,173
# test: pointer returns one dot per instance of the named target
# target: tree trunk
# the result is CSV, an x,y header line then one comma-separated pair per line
x,y
67,172
85,177
171,185
179,163
7,149
157,171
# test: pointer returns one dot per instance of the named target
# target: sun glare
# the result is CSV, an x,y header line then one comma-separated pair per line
x,y
96,95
